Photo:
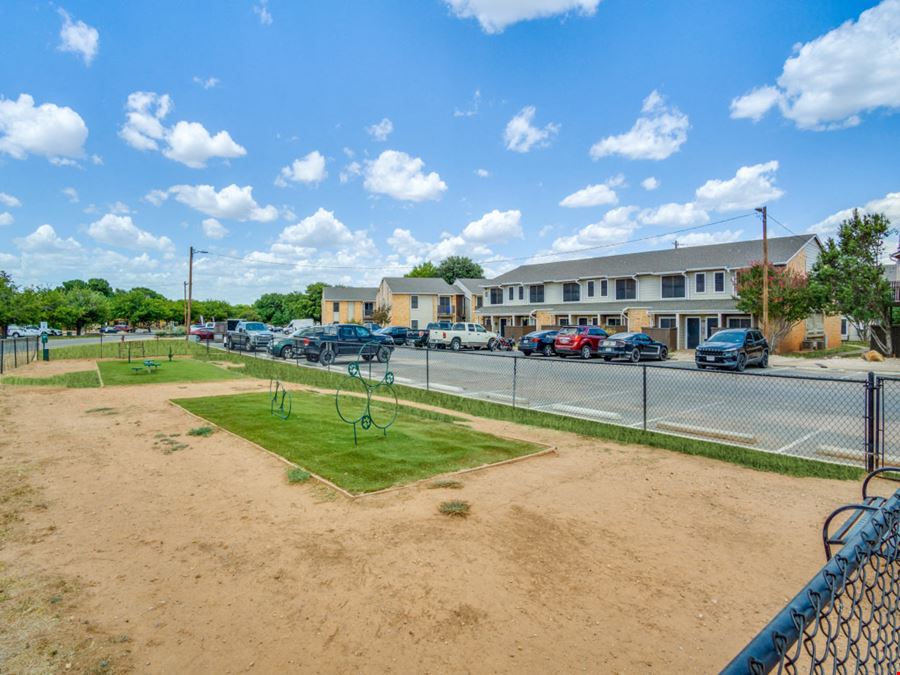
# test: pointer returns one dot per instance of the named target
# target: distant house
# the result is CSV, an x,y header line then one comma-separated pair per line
x,y
346,304
416,301
691,289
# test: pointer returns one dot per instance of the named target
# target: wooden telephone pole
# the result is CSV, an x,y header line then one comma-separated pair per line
x,y
190,291
765,288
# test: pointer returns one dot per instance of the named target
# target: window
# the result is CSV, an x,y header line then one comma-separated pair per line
x,y
511,291
414,302
700,282
363,332
496,296
844,331
719,281
582,321
536,293
563,322
597,332
603,287
368,308
665,322
335,306
815,325
594,321
521,292
571,292
626,289
458,326
414,324
479,328
673,286
739,322
613,321
444,306
590,289
479,302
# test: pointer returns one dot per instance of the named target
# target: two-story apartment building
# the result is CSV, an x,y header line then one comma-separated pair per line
x,y
690,289
347,304
417,301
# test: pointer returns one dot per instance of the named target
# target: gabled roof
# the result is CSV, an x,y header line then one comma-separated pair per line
x,y
732,255
471,285
423,285
349,293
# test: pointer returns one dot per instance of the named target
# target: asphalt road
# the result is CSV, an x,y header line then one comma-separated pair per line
x,y
782,410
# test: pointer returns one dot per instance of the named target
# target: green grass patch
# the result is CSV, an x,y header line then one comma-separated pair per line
x,y
180,370
84,379
142,349
844,351
298,475
420,444
456,508
201,431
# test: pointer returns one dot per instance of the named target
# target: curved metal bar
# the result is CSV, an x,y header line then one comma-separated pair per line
x,y
848,507
873,474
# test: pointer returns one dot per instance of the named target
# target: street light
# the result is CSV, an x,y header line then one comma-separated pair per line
x,y
190,290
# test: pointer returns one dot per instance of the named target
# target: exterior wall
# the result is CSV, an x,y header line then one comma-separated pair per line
x,y
543,319
794,339
425,314
832,331
648,287
400,309
638,319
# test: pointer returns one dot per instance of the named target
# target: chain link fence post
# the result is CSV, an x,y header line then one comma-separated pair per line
x,y
2,355
515,377
871,421
644,388
427,368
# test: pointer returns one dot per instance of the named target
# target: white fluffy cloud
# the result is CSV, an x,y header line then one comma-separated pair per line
x,y
213,229
657,134
495,15
829,82
351,171
615,227
889,205
482,173
521,135
233,202
262,11
206,82
71,194
680,215
186,142
6,218
45,240
381,130
703,238
156,197
78,37
400,176
592,195
650,183
9,200
122,232
320,230
309,169
411,251
752,186
495,226
55,132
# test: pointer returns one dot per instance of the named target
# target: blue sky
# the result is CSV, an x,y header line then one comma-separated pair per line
x,y
344,141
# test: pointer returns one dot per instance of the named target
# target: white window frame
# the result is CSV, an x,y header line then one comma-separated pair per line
x,y
697,277
716,277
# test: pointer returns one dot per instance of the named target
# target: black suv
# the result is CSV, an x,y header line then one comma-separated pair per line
x,y
734,348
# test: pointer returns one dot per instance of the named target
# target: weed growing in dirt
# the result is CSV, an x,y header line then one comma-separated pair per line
x,y
86,379
455,508
201,431
102,411
298,475
445,483
169,445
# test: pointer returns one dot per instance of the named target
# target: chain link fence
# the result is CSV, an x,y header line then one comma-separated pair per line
x,y
15,352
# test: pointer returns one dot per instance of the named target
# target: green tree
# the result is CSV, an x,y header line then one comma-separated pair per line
x,y
791,298
72,284
139,307
8,294
84,307
271,308
101,286
382,315
311,305
459,267
425,269
849,278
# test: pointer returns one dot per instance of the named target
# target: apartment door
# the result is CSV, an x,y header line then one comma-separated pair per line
x,y
712,325
693,332
502,326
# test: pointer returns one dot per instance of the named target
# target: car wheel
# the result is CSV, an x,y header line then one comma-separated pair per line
x,y
527,353
326,358
455,344
701,366
367,357
383,354
663,354
547,350
741,363
635,355
492,345
764,361
287,352
607,358
586,352
227,343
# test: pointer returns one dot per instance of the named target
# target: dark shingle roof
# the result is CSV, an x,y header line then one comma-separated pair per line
x,y
423,285
732,255
472,285
349,293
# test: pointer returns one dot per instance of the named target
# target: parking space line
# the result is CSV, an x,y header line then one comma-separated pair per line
x,y
785,448
675,414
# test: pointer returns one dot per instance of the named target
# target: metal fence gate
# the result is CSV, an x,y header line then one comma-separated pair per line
x,y
15,352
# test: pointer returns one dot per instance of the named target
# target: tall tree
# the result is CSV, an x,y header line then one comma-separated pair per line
x,y
101,286
791,298
459,267
849,276
7,301
425,269
311,306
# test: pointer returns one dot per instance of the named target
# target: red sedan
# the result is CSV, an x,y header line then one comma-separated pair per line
x,y
202,332
583,341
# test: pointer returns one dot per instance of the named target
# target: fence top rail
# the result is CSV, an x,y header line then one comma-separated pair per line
x,y
766,651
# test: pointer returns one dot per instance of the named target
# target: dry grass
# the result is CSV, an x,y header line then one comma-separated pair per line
x,y
455,508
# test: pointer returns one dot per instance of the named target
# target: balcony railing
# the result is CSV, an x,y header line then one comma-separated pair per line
x,y
445,310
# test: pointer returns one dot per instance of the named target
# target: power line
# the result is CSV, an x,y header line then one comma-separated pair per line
x,y
771,217
488,261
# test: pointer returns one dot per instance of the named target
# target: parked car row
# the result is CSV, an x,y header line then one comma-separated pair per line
x,y
324,344
17,331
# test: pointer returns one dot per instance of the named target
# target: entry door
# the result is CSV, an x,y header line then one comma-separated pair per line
x,y
502,326
693,332
712,325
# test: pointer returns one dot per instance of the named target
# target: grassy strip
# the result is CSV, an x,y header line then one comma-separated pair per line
x,y
85,379
180,370
754,459
114,349
419,446
844,351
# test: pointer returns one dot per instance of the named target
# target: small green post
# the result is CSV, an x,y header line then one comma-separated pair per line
x,y
46,348
170,353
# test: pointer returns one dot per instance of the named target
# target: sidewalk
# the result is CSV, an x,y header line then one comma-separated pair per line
x,y
851,364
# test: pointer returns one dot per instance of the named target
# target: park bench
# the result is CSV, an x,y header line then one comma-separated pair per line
x,y
860,514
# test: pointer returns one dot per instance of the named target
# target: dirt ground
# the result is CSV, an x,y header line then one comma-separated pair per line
x,y
602,558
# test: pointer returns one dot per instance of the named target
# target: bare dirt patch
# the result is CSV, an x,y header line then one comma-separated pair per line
x,y
602,558
50,368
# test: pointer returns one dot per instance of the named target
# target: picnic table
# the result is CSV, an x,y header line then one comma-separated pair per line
x,y
149,365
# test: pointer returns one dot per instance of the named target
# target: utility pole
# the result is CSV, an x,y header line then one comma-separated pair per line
x,y
765,288
184,308
190,291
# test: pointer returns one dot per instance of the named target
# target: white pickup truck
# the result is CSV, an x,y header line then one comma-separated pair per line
x,y
462,335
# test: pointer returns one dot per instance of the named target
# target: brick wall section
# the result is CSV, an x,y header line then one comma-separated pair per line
x,y
638,319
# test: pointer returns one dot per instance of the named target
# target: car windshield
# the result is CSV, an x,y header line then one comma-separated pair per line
x,y
623,336
731,336
569,331
254,326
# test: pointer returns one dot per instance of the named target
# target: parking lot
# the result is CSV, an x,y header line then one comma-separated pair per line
x,y
784,410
